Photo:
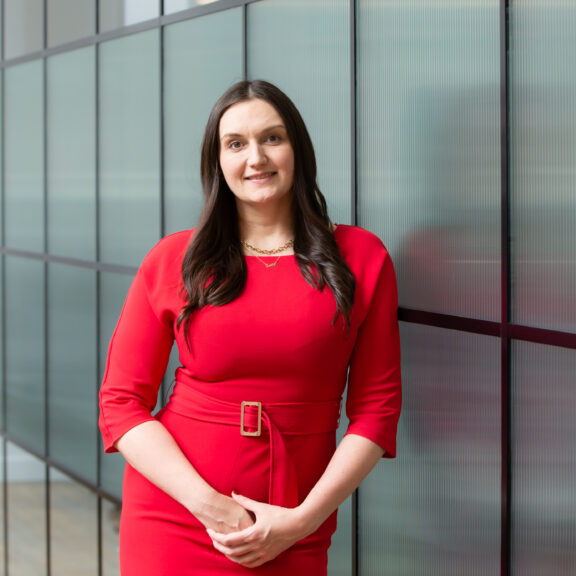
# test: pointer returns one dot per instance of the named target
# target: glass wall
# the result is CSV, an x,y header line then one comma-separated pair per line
x,y
103,105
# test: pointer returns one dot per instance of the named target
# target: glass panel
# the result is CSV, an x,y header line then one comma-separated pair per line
x,y
113,290
543,171
436,510
544,460
25,362
24,27
110,531
73,528
429,148
193,59
177,5
129,148
70,20
24,157
72,154
314,71
26,503
118,13
72,391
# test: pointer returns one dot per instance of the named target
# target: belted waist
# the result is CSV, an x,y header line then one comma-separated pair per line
x,y
253,418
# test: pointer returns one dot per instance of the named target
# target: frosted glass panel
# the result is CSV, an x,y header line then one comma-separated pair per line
x,y
307,56
73,384
435,510
25,362
129,148
118,13
543,170
26,504
113,290
70,20
73,528
193,59
429,148
544,460
24,157
23,27
72,154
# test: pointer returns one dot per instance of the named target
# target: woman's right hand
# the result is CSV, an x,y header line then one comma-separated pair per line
x,y
223,514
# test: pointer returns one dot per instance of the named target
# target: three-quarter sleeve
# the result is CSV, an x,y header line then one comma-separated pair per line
x,y
374,383
137,358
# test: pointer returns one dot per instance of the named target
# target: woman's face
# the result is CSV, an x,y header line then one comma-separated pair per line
x,y
256,155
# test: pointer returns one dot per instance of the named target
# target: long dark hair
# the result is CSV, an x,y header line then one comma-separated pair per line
x,y
214,269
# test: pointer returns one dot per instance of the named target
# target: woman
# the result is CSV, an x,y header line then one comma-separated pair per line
x,y
272,308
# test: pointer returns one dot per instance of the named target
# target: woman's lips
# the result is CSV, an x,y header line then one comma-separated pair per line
x,y
260,176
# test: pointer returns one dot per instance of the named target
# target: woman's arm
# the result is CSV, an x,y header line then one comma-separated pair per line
x,y
152,451
275,529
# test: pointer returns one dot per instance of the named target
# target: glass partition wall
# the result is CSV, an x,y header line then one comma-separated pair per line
x,y
446,128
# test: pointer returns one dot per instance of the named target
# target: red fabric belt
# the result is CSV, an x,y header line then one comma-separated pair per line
x,y
275,419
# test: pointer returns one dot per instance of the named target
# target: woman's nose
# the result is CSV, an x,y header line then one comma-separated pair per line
x,y
256,155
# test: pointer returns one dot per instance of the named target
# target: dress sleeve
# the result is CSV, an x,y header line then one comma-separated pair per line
x,y
374,384
137,358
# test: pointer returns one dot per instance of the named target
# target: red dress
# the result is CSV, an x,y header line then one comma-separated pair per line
x,y
274,345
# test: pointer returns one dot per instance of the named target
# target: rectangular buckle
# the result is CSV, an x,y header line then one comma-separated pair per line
x,y
258,431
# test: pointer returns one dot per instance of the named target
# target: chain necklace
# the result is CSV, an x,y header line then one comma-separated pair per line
x,y
285,246
268,264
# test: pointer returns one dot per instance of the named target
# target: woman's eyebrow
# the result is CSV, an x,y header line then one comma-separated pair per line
x,y
235,135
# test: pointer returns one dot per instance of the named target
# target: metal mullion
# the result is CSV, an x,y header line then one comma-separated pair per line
x,y
355,504
245,42
46,294
505,356
4,471
98,280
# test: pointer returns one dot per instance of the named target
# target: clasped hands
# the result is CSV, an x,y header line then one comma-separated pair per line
x,y
273,530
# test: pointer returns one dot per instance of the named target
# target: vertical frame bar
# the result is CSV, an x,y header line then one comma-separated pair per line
x,y
245,42
355,556
46,288
506,446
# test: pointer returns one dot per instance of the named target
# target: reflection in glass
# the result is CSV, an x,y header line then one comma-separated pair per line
x,y
118,13
71,154
193,59
544,460
436,509
72,390
24,157
23,27
129,148
429,148
543,171
113,290
26,505
70,20
73,528
171,6
314,71
110,534
25,362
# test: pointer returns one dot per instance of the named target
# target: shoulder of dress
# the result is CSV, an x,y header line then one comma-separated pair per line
x,y
356,242
169,248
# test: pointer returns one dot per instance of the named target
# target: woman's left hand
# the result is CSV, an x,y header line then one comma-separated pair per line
x,y
275,529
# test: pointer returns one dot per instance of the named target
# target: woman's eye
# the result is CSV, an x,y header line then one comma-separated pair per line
x,y
273,139
235,145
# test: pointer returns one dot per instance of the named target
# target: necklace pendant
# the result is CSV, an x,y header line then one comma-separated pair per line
x,y
271,264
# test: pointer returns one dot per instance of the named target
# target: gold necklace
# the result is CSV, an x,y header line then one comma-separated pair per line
x,y
268,264
285,246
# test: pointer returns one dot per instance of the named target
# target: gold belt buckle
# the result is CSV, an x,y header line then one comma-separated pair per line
x,y
245,432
